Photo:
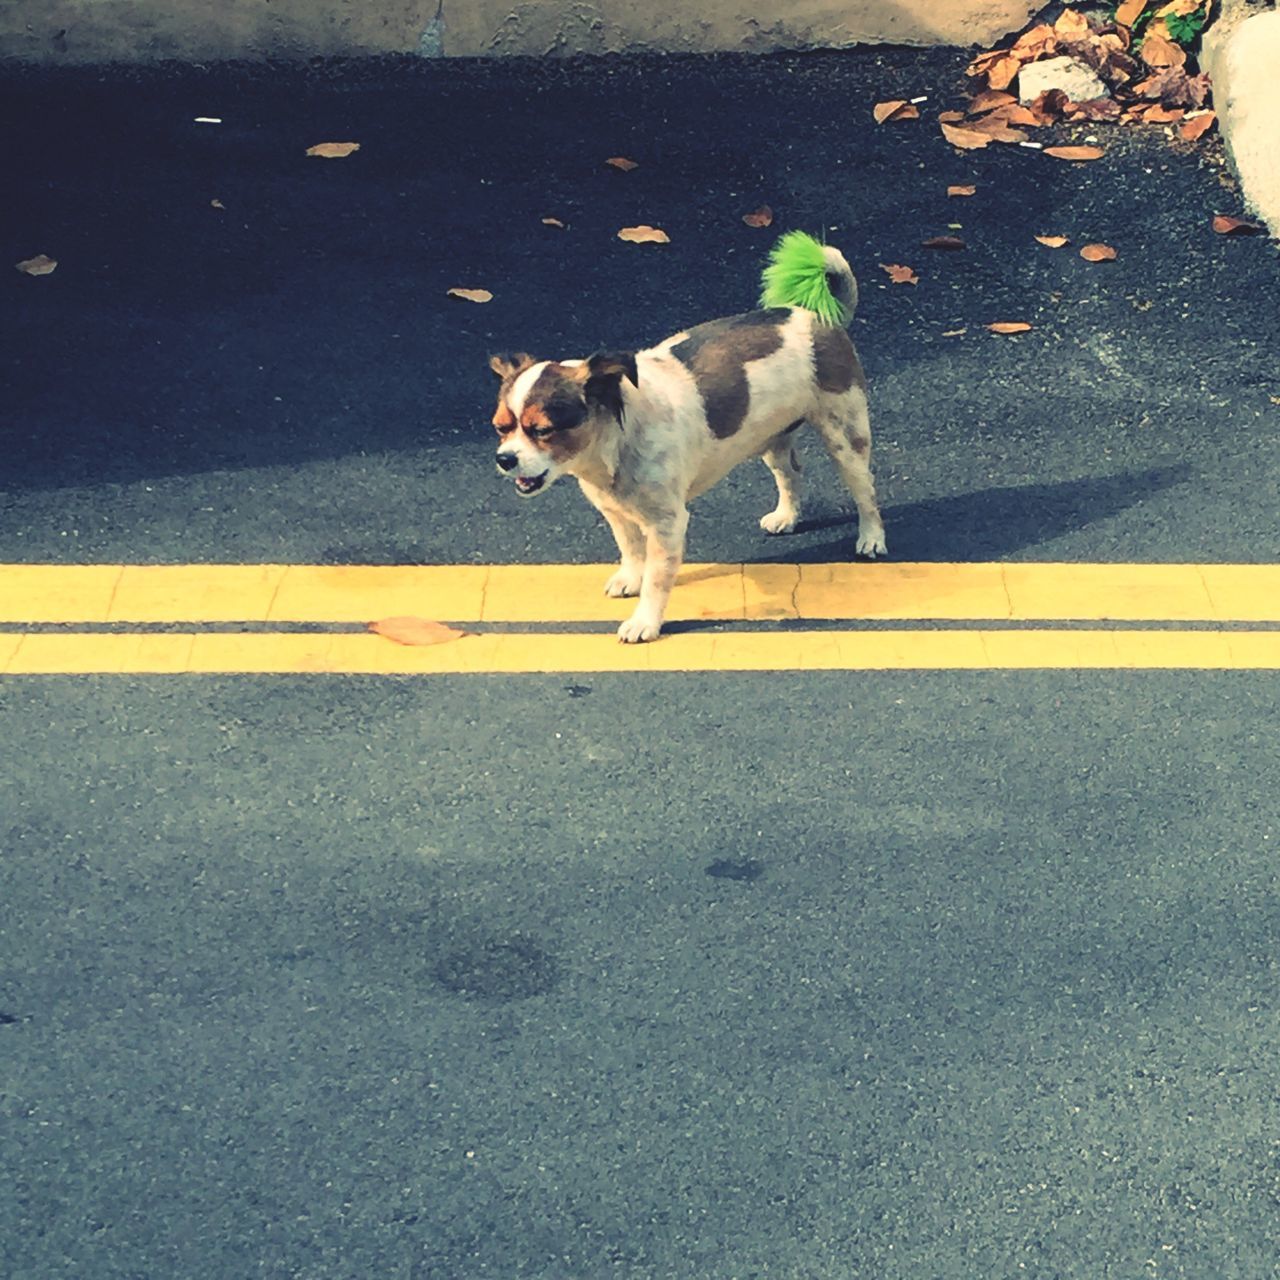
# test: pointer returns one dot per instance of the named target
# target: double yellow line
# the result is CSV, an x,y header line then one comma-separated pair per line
x,y
1148,610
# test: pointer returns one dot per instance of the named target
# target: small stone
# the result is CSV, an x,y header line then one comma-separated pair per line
x,y
1074,79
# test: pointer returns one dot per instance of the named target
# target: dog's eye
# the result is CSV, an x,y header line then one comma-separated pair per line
x,y
541,433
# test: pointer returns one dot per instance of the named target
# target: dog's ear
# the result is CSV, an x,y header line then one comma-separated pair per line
x,y
603,374
509,366
613,364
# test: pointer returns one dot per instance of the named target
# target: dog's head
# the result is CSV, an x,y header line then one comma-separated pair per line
x,y
550,412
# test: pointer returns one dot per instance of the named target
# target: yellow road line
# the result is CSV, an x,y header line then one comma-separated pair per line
x,y
51,653
572,593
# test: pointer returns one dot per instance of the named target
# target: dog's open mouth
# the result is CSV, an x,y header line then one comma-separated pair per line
x,y
530,484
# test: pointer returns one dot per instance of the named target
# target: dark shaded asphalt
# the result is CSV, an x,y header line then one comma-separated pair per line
x,y
895,975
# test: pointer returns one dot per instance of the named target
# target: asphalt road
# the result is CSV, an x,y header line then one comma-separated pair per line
x,y
835,975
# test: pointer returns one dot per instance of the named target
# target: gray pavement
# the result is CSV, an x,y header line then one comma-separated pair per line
x,y
813,976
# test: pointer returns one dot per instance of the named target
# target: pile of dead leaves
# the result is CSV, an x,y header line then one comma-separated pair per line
x,y
1147,76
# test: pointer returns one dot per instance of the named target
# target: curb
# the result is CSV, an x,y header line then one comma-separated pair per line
x,y
1241,53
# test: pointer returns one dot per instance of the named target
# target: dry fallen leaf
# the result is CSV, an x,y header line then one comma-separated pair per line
x,y
1195,126
1009,326
644,235
1128,11
1157,51
950,117
409,630
621,162
1225,225
989,99
1098,253
1075,153
40,265
761,217
1053,242
964,138
1036,42
984,61
961,191
472,295
1048,105
943,242
899,274
1163,115
896,109
997,128
1071,23
333,150
1000,75
553,222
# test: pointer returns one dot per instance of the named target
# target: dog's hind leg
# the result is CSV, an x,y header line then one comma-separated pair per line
x,y
781,459
845,428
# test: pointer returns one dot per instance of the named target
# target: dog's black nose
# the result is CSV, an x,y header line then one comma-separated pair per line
x,y
507,460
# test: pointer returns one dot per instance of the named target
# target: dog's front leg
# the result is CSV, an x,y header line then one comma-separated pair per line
x,y
664,552
631,547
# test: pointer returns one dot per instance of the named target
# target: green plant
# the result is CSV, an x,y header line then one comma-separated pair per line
x,y
1186,28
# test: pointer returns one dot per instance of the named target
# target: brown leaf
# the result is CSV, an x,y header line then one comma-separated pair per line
x,y
1000,75
1159,114
1009,326
964,138
989,99
472,295
1098,253
1008,114
1194,126
761,217
950,117
943,242
1036,42
1053,242
961,191
983,62
417,631
997,128
644,234
40,265
1098,109
1128,11
553,222
1225,225
1049,105
1075,153
333,150
900,274
897,109
1071,23
1157,51
621,162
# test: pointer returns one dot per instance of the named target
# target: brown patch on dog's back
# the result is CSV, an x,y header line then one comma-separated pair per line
x,y
835,362
717,353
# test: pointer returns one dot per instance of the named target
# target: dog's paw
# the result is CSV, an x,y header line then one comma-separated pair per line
x,y
780,521
626,582
639,628
871,543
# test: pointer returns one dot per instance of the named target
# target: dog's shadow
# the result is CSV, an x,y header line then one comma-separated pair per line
x,y
988,524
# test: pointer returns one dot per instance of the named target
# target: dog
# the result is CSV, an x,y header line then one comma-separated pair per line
x,y
646,432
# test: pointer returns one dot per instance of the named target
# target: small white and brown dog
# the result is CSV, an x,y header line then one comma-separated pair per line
x,y
646,433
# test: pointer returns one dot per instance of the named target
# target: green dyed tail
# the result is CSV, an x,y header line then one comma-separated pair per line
x,y
804,273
